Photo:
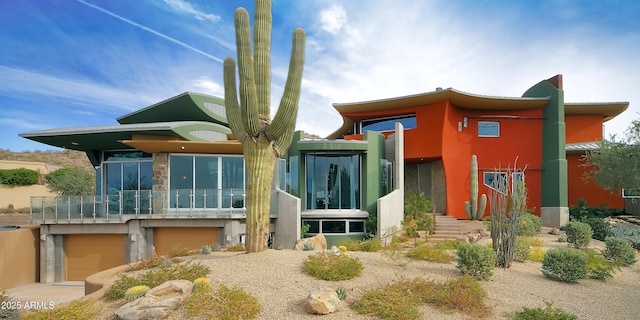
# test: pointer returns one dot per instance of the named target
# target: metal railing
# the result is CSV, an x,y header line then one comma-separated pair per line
x,y
146,204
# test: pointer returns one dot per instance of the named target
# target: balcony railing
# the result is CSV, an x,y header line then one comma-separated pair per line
x,y
146,204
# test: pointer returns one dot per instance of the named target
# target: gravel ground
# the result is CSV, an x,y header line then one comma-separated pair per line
x,y
275,279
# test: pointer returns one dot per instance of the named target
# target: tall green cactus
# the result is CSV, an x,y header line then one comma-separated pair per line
x,y
473,212
263,139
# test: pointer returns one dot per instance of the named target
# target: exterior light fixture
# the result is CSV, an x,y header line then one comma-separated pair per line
x,y
465,121
459,126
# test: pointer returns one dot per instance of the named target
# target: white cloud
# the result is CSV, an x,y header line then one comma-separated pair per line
x,y
185,7
333,19
208,86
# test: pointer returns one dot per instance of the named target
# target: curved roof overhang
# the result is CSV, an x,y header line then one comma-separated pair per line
x,y
457,98
112,137
187,106
608,110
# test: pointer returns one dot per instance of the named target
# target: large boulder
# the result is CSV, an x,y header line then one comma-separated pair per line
x,y
322,301
318,241
158,303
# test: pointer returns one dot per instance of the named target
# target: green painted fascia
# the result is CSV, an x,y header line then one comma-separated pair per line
x,y
554,163
184,107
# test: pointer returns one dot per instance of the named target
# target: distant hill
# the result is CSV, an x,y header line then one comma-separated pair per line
x,y
65,158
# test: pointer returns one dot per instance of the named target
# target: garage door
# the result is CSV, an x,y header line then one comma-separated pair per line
x,y
86,254
168,239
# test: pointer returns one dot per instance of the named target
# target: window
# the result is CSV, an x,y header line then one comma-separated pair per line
x,y
125,174
334,226
388,123
204,181
488,129
498,181
333,182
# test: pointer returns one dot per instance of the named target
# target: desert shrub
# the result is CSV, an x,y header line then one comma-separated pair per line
x,y
18,177
332,267
599,228
430,253
205,249
628,232
400,300
351,244
532,241
71,181
371,245
342,293
416,206
522,250
537,254
447,245
530,225
598,267
476,261
77,310
181,252
152,262
619,251
236,248
224,303
547,313
582,211
7,313
578,234
565,264
157,276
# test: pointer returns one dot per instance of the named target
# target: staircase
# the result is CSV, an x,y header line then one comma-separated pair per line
x,y
446,228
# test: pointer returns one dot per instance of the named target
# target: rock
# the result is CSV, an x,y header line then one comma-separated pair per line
x,y
322,301
335,251
554,231
421,234
318,241
158,303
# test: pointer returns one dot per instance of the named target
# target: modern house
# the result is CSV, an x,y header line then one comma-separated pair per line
x,y
538,134
172,174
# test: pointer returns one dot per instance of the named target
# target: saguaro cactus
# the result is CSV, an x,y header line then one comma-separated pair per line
x,y
263,139
473,211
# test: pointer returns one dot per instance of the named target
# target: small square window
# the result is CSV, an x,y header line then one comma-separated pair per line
x,y
356,226
488,129
330,226
314,226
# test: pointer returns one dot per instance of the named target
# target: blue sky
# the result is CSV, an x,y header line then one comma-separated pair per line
x,y
70,63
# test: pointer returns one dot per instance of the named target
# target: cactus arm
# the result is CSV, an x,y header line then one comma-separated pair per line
x,y
285,118
232,107
467,209
261,55
248,94
483,205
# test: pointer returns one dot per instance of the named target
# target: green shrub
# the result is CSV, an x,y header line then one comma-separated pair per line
x,y
619,251
548,313
530,225
565,264
205,249
578,234
599,228
77,310
629,232
428,252
371,245
523,250
332,267
71,181
598,267
476,261
18,177
583,212
416,217
224,303
537,254
342,293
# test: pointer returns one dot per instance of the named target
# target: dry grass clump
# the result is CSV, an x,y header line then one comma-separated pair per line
x,y
332,267
432,253
225,303
399,300
77,310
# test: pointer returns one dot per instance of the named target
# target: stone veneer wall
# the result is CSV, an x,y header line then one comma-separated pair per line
x,y
160,180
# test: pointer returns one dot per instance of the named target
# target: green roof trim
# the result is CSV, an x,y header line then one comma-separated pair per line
x,y
187,106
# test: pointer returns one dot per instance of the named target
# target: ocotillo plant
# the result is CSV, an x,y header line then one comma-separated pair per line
x,y
263,139
473,211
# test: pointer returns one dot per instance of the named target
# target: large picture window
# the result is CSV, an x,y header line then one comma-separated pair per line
x,y
204,181
333,182
388,123
125,174
498,181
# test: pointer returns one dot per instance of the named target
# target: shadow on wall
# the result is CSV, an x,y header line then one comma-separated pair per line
x,y
19,256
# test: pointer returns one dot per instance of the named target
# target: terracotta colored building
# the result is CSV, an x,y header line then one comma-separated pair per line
x,y
539,135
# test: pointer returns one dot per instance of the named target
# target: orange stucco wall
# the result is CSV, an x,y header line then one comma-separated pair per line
x,y
520,139
589,190
583,128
